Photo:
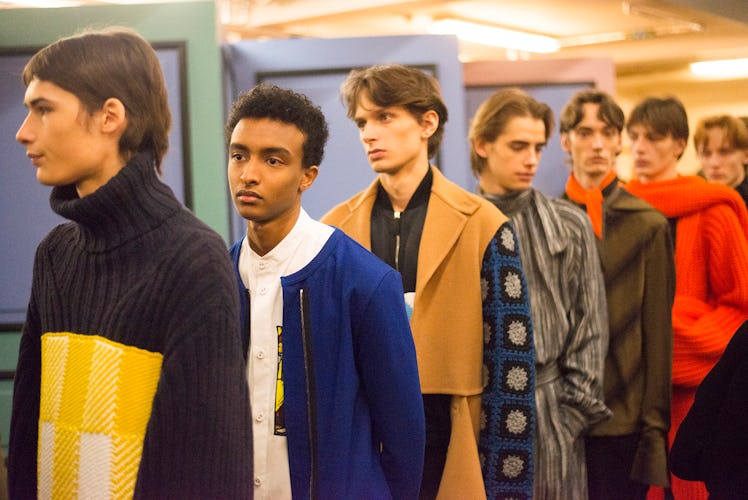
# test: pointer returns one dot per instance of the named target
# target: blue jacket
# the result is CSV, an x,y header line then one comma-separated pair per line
x,y
353,405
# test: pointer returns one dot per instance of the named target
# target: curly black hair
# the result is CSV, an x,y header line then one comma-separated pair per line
x,y
287,106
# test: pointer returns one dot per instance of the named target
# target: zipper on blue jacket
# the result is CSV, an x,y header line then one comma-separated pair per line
x,y
306,339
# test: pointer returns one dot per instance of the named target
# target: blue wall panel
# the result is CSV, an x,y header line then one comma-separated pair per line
x,y
317,67
25,214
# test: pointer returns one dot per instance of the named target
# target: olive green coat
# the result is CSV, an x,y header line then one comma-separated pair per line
x,y
637,258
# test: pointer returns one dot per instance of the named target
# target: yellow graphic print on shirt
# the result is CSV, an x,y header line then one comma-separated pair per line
x,y
96,398
280,420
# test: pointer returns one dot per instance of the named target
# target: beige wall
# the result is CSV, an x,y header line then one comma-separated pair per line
x,y
701,98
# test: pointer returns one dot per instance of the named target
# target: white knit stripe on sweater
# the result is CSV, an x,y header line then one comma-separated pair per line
x,y
95,466
46,460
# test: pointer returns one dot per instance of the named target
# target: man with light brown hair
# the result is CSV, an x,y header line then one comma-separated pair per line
x,y
722,145
567,294
463,284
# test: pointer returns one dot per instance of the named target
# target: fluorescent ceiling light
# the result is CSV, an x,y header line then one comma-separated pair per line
x,y
726,68
499,37
47,4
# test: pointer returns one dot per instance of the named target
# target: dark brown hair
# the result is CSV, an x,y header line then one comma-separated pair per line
x,y
111,63
397,85
609,111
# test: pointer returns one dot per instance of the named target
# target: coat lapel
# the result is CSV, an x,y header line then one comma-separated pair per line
x,y
447,214
441,230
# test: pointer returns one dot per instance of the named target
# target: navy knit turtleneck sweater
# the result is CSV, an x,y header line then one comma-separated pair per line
x,y
131,377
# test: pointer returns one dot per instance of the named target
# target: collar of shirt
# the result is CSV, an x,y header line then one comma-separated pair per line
x,y
293,252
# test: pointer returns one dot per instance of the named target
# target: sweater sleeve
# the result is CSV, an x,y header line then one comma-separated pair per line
x,y
657,344
24,424
389,373
198,441
705,326
583,360
508,403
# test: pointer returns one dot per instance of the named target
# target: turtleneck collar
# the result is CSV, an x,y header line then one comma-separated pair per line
x,y
511,202
132,202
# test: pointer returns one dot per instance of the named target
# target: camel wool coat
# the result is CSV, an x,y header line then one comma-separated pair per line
x,y
447,320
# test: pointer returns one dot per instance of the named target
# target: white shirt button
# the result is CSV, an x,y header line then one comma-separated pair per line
x,y
263,291
260,417
258,481
261,265
260,353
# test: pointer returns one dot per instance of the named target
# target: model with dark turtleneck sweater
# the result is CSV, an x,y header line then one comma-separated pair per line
x,y
134,316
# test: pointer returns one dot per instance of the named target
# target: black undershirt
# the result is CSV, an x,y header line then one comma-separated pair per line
x,y
402,255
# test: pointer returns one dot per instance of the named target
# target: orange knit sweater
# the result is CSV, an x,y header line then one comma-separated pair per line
x,y
711,284
711,262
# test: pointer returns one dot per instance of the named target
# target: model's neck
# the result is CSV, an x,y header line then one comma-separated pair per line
x,y
263,236
589,182
401,186
666,175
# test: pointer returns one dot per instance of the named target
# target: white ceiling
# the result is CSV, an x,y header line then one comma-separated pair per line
x,y
657,34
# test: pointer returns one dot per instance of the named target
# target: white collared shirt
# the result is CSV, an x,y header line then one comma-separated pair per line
x,y
261,275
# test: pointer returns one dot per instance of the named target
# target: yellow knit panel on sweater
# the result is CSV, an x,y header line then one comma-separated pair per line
x,y
96,398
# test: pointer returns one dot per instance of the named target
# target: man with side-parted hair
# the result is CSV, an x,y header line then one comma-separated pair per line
x,y
628,452
337,411
708,223
130,380
464,286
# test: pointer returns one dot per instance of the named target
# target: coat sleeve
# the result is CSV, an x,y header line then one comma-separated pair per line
x,y
649,466
388,368
583,359
198,441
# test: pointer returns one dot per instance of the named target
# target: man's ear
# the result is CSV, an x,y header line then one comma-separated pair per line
x,y
565,142
479,145
681,146
113,116
310,174
429,123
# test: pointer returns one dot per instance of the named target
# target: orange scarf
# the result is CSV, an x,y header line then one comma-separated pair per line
x,y
592,199
688,194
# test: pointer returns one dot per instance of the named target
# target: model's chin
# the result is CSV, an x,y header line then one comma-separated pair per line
x,y
247,212
522,185
48,180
